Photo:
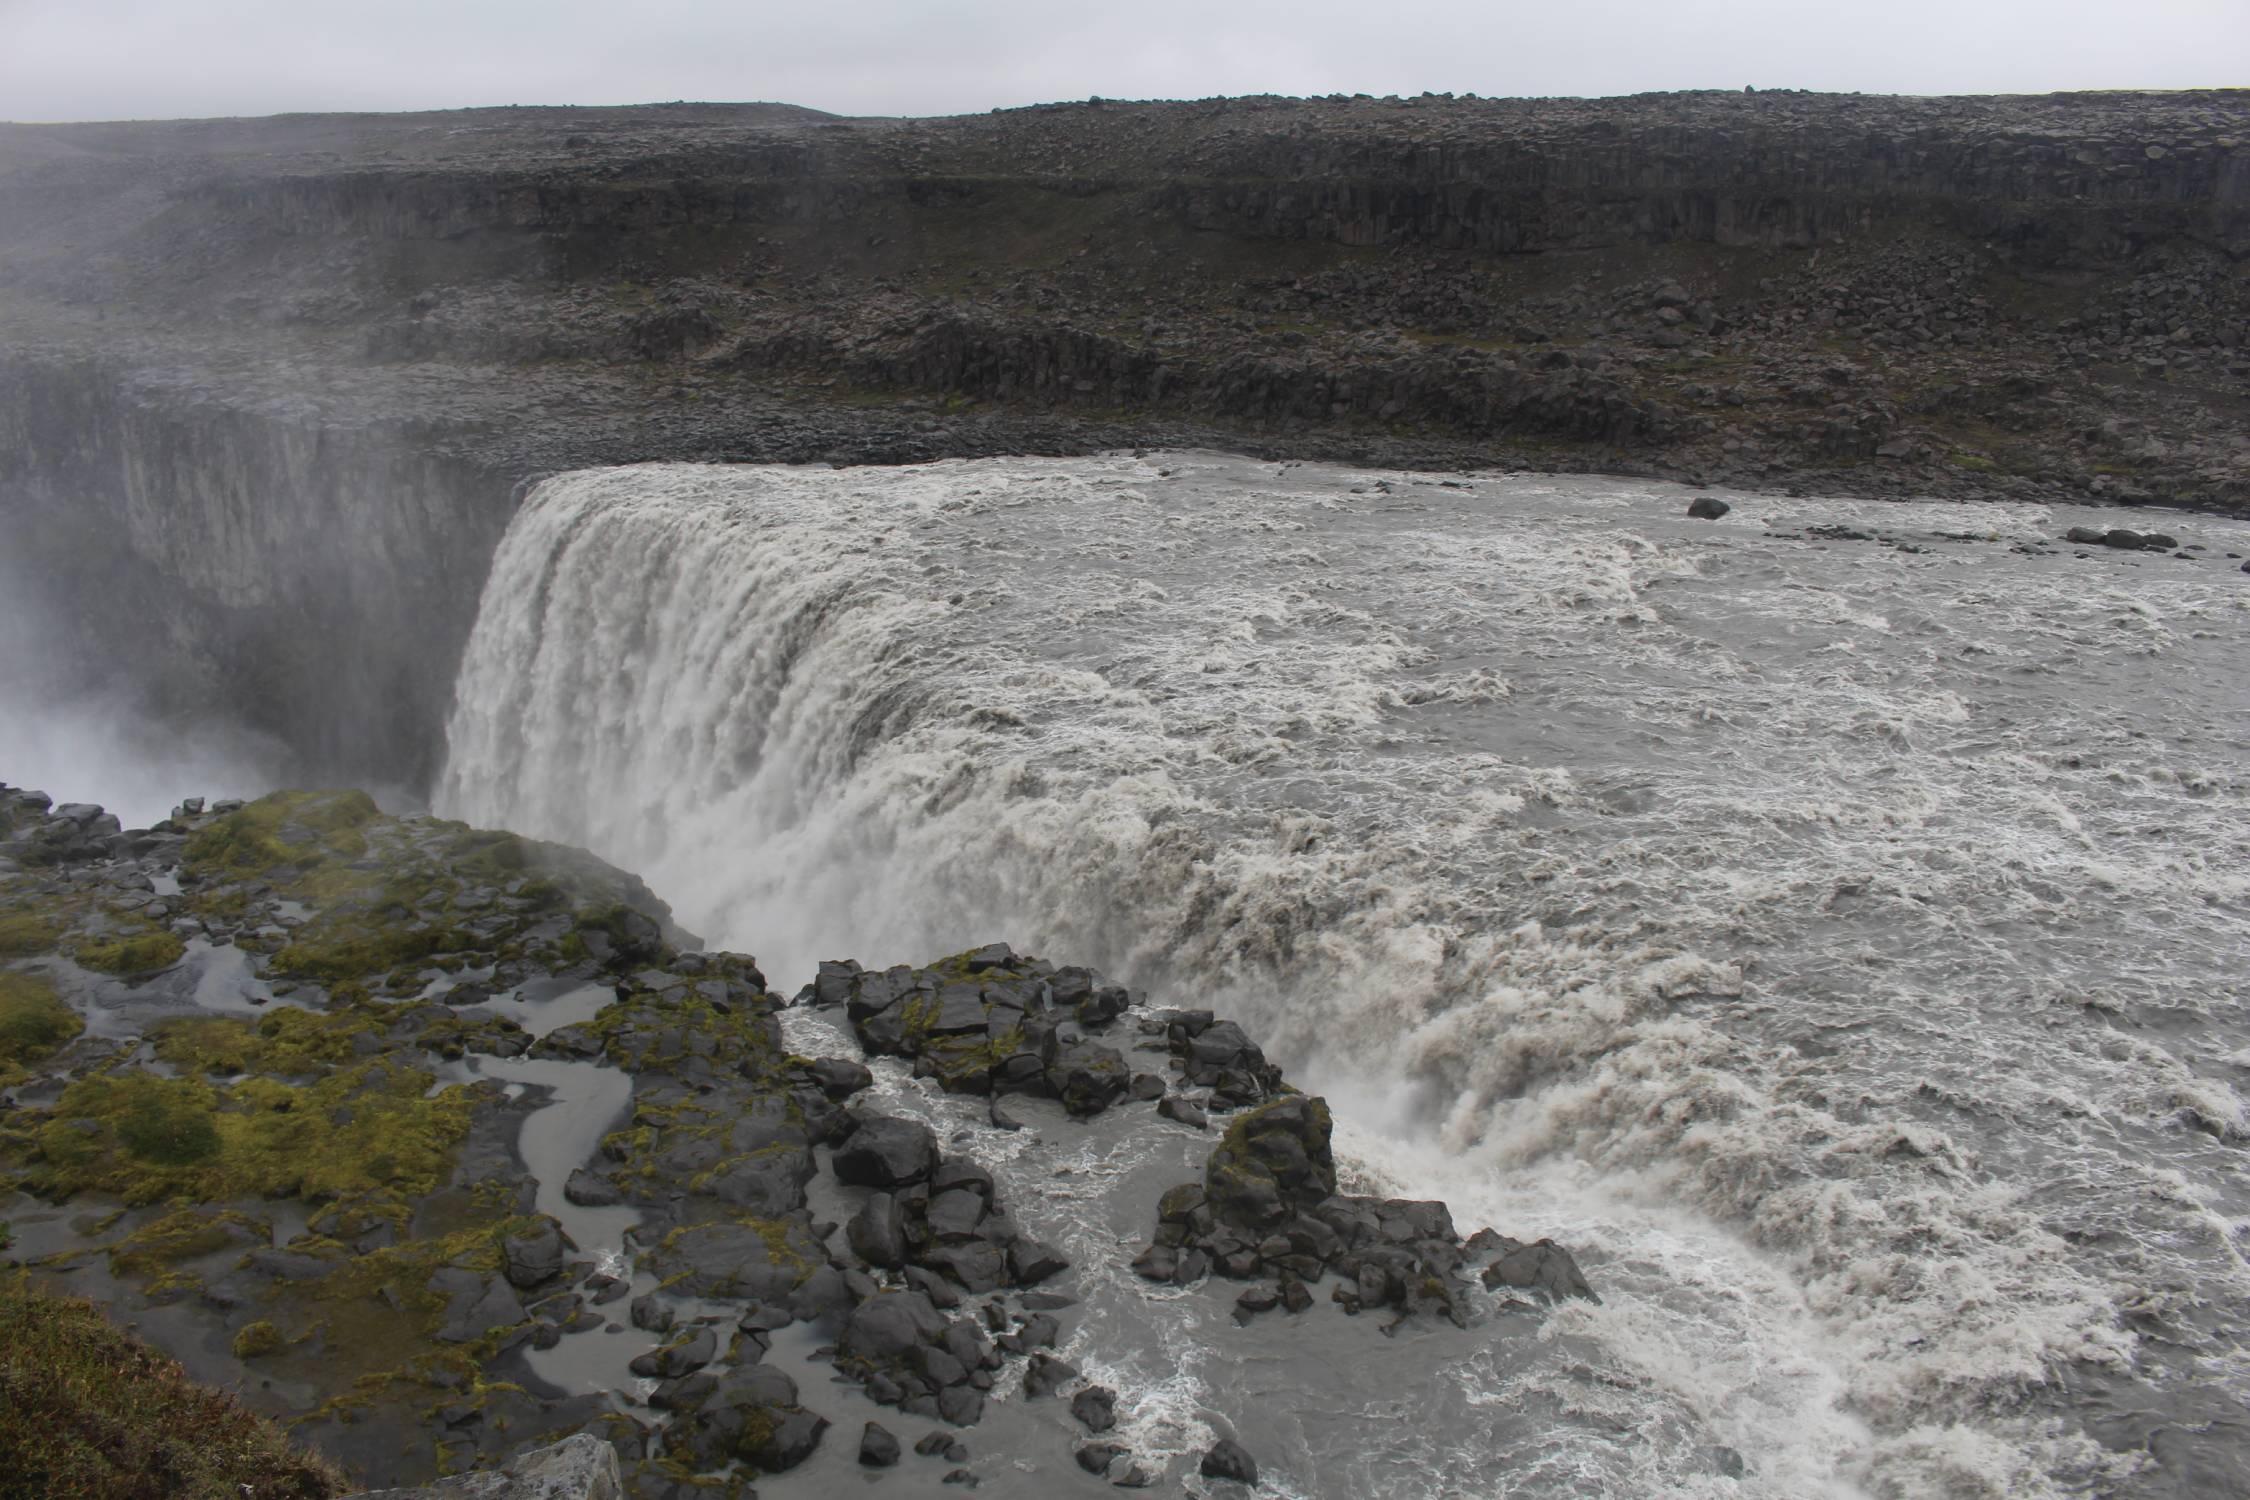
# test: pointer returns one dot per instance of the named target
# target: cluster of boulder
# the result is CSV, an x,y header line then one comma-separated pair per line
x,y
2116,538
989,1023
2122,539
992,1022
717,1156
36,833
1268,1210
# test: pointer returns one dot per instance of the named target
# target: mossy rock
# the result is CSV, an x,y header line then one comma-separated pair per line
x,y
284,829
1273,1161
130,954
256,1339
353,946
393,895
183,1235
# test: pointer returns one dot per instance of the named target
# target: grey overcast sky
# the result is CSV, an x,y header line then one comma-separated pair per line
x,y
112,59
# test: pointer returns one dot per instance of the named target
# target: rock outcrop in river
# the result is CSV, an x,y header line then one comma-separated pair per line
x,y
446,1145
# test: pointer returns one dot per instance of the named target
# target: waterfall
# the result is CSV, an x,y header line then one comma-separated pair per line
x,y
1542,834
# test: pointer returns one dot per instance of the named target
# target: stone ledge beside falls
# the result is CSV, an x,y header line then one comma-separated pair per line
x,y
577,1468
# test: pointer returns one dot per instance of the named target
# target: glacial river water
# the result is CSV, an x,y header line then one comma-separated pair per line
x,y
1841,944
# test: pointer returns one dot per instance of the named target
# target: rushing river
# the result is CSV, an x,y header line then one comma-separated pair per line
x,y
1842,944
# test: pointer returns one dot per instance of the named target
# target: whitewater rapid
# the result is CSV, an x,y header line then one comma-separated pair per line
x,y
1840,942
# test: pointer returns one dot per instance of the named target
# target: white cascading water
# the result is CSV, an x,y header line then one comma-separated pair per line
x,y
1840,943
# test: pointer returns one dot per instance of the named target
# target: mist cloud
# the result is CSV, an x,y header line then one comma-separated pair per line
x,y
80,740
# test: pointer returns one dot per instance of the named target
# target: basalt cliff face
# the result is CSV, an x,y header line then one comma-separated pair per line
x,y
270,388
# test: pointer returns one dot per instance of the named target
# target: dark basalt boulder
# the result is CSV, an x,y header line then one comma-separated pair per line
x,y
1087,1077
975,1266
1217,1055
1177,1108
1095,1458
1095,1407
990,956
474,1305
1047,1375
1708,508
1272,1161
772,1437
885,1152
675,1360
908,1355
685,1392
765,1261
885,1328
840,1078
1031,1262
1228,1459
954,1215
589,1189
770,1185
956,1172
1542,1266
878,1449
877,1233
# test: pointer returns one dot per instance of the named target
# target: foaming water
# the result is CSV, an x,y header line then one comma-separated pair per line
x,y
1840,941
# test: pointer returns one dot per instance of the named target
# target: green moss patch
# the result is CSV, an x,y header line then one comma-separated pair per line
x,y
24,933
287,1041
357,1132
647,1032
376,1316
394,896
183,1235
488,854
359,944
300,829
33,1020
89,1413
129,954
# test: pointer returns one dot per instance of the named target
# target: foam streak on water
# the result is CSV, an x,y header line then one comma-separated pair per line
x,y
1842,942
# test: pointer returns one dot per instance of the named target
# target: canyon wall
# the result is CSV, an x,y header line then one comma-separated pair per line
x,y
314,577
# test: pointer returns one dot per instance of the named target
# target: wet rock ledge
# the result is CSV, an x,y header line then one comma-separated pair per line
x,y
447,1146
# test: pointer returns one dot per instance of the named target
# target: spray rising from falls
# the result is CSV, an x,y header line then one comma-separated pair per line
x,y
1837,940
